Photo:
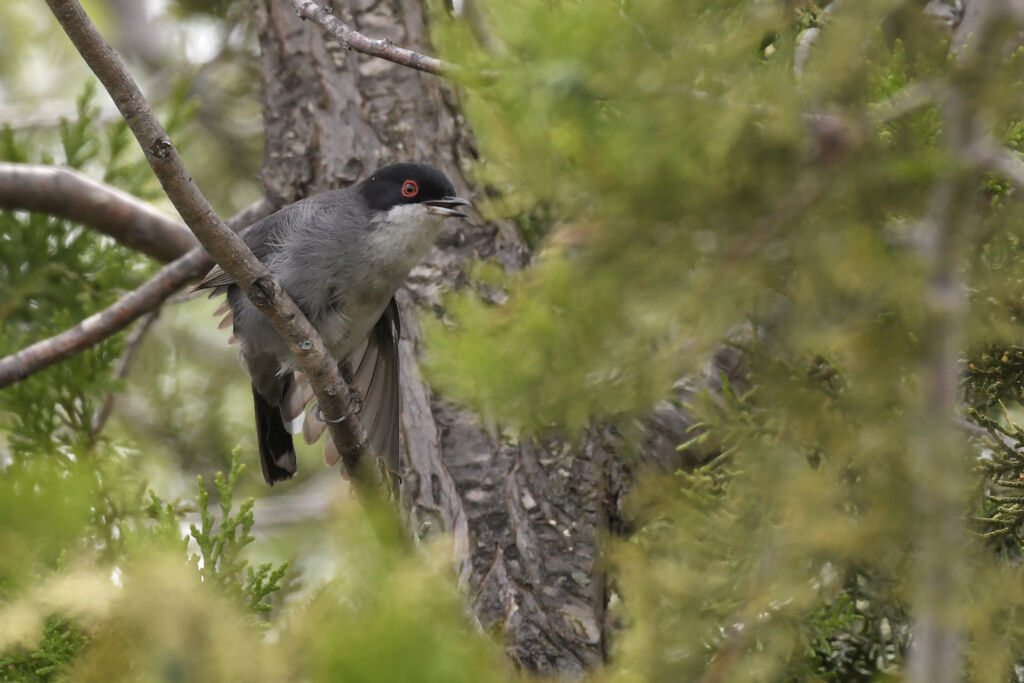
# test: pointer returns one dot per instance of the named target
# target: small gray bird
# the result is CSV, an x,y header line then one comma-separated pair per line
x,y
341,256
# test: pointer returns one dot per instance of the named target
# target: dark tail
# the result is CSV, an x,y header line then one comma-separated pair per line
x,y
277,452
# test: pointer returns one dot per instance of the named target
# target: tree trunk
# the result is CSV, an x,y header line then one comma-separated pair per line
x,y
525,518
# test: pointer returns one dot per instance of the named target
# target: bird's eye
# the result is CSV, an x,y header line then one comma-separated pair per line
x,y
410,188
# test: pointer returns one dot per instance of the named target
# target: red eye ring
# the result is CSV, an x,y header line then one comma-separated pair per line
x,y
410,188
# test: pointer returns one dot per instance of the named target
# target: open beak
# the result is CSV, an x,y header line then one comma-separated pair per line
x,y
447,206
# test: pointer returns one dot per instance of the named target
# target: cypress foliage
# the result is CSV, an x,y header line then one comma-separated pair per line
x,y
682,186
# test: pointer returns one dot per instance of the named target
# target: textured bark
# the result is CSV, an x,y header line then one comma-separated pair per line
x,y
525,518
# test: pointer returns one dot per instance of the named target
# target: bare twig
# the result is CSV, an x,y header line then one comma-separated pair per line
x,y
383,48
69,194
226,247
123,366
111,320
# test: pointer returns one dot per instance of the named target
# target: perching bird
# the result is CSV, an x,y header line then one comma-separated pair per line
x,y
341,256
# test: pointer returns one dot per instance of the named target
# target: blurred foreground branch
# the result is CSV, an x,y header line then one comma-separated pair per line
x,y
936,453
1001,161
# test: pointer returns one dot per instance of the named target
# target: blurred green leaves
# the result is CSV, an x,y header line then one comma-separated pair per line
x,y
681,189
392,616
695,189
678,159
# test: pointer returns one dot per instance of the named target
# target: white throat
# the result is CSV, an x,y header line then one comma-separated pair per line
x,y
404,234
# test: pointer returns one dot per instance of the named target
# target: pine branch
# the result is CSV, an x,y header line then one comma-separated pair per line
x,y
105,323
227,248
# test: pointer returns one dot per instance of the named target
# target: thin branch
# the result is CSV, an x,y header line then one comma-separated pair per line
x,y
911,98
999,160
69,194
227,248
107,322
123,366
935,451
351,39
802,53
934,454
111,320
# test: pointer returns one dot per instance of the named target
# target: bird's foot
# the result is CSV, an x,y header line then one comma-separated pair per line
x,y
356,400
320,416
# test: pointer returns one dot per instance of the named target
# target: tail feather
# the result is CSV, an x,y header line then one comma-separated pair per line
x,y
277,452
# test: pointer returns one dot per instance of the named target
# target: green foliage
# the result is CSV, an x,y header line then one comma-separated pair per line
x,y
391,616
655,150
782,595
57,273
1001,505
691,197
66,499
673,173
61,642
58,497
27,492
219,556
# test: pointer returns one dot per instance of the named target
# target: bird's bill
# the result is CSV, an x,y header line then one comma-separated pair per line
x,y
447,206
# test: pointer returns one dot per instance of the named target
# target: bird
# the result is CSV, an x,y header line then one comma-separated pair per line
x,y
340,255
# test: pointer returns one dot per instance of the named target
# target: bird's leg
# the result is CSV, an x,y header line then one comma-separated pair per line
x,y
354,397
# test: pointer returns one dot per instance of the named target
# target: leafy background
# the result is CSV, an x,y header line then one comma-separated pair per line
x,y
657,155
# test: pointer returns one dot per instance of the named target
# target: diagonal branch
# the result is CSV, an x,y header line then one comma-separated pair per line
x,y
227,248
991,157
111,320
383,48
107,322
69,194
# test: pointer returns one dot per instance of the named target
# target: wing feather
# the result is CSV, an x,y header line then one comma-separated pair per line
x,y
260,238
376,379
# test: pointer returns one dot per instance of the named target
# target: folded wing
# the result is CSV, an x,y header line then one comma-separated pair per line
x,y
374,366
